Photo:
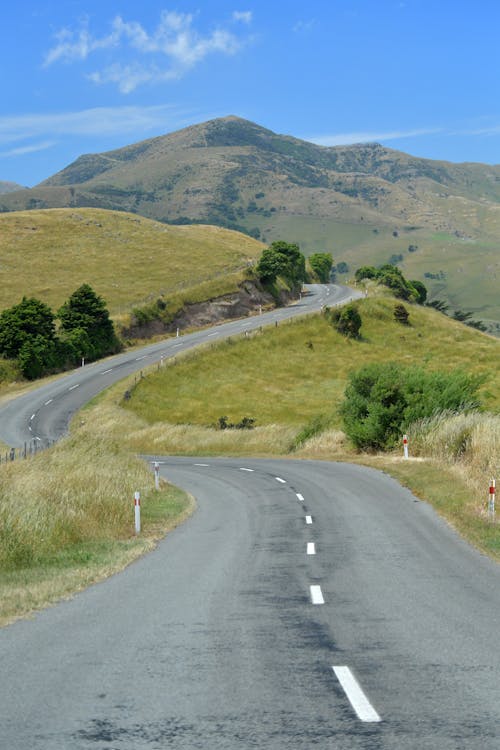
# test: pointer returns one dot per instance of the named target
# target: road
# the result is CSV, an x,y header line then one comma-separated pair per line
x,y
227,635
44,414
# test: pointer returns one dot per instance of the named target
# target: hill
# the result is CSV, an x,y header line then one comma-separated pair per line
x,y
364,203
127,259
9,187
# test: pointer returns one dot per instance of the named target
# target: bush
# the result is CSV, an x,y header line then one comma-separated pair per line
x,y
346,321
383,400
402,315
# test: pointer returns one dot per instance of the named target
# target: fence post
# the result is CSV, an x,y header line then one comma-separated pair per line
x,y
491,500
157,475
137,509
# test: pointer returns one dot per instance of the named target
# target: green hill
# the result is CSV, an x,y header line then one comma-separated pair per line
x,y
127,259
363,203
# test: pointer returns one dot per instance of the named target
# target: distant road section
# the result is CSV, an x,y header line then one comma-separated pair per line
x,y
44,414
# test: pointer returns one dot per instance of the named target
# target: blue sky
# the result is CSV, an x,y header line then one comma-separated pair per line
x,y
81,76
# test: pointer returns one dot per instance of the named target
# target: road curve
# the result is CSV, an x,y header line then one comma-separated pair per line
x,y
44,414
305,604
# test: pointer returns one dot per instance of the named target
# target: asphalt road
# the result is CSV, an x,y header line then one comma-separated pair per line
x,y
215,641
44,414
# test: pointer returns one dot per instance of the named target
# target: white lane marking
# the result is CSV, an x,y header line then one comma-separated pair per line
x,y
316,595
138,359
32,416
105,372
72,388
48,402
311,548
309,519
279,479
202,464
301,497
243,469
212,334
177,345
357,698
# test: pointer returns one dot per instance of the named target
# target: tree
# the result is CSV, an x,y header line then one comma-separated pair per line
x,y
421,290
282,259
321,264
85,321
365,272
22,322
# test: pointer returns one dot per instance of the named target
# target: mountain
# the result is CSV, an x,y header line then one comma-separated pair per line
x,y
364,203
9,187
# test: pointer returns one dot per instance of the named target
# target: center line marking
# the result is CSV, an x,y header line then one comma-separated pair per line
x,y
202,464
301,497
48,402
105,372
309,519
316,595
73,387
279,479
358,700
311,548
243,469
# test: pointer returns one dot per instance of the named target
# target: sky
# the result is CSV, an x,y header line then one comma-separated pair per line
x,y
87,76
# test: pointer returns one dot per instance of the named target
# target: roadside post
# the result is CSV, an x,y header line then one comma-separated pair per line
x,y
157,475
405,445
491,500
137,509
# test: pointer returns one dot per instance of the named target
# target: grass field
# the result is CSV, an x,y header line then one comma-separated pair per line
x,y
126,258
291,374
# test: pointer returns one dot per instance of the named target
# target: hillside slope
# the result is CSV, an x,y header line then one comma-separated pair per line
x,y
363,203
128,259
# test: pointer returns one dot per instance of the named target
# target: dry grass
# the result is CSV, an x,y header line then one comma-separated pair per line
x,y
126,258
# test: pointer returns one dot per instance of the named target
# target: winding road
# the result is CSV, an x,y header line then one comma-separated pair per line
x,y
305,604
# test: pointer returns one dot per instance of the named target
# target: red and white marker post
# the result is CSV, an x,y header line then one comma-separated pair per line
x,y
405,445
157,475
137,508
491,500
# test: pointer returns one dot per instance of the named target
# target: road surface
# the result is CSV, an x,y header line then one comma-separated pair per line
x,y
305,604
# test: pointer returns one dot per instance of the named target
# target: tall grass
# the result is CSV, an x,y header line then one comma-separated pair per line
x,y
469,442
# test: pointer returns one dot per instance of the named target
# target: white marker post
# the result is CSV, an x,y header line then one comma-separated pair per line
x,y
177,336
405,445
157,475
491,501
137,508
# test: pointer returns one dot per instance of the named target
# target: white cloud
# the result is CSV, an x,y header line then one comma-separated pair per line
x,y
344,139
304,26
173,47
244,16
22,150
99,121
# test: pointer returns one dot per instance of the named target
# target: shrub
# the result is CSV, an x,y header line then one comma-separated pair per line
x,y
383,400
346,320
401,314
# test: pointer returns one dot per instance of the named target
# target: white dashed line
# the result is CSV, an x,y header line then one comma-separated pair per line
x,y
105,372
138,359
300,497
309,519
176,345
73,387
212,334
48,402
202,464
243,469
311,548
316,595
279,479
357,699
32,417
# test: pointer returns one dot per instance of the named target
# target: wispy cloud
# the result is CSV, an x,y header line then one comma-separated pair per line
x,y
95,122
31,149
344,139
304,26
167,52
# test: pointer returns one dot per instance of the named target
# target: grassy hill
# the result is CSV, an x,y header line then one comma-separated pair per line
x,y
348,200
306,368
127,259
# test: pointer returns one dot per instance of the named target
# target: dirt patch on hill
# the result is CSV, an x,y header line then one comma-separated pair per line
x,y
249,298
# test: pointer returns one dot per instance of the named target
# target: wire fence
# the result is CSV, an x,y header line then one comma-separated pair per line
x,y
30,449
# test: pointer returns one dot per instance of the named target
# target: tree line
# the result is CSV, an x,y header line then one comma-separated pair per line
x,y
30,335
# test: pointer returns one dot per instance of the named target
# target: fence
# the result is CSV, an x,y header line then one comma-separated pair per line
x,y
28,450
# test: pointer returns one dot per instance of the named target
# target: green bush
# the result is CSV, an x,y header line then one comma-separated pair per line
x,y
345,320
383,399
